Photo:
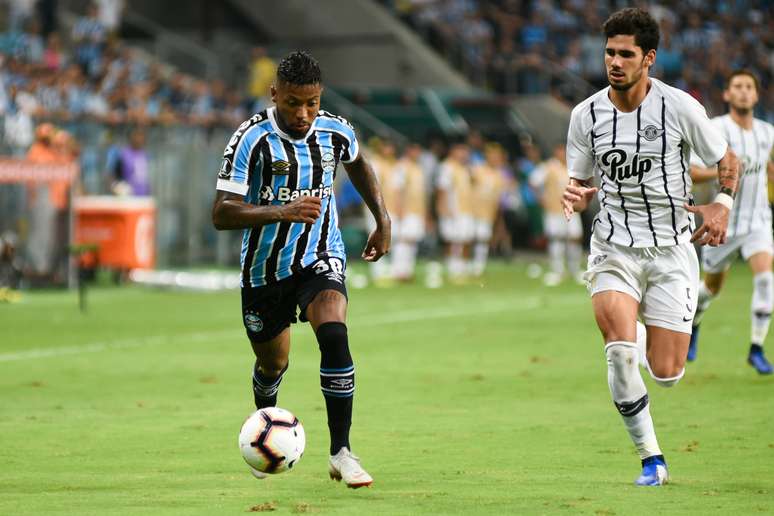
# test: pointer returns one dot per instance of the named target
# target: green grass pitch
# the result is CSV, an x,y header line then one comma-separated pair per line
x,y
489,398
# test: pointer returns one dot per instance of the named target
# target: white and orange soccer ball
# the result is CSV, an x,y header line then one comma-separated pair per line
x,y
272,440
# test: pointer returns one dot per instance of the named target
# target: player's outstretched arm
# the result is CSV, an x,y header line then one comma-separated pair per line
x,y
576,196
229,211
364,180
714,215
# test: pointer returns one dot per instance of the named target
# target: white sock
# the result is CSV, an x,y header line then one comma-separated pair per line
x,y
480,254
761,306
399,257
642,345
411,259
630,396
455,263
574,252
705,298
556,256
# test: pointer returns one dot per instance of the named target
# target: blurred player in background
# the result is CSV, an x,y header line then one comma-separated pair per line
x,y
276,183
410,213
637,136
383,160
564,236
749,228
454,206
488,184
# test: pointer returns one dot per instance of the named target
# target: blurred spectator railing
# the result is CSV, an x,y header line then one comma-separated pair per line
x,y
183,163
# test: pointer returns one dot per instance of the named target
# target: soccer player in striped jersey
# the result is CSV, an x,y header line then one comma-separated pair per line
x,y
749,227
276,184
637,136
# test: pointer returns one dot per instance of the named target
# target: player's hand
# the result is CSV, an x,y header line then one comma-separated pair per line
x,y
378,243
714,216
305,209
576,198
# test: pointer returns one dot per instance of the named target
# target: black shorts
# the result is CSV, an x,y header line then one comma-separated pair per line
x,y
268,310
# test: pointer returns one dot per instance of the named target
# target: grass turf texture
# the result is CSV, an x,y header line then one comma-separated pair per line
x,y
485,398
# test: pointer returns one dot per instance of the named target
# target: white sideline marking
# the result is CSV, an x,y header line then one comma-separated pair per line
x,y
418,314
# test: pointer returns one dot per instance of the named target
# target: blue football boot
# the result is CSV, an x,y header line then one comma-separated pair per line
x,y
693,347
654,472
757,359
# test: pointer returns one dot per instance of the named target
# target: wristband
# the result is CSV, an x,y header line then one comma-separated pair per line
x,y
725,199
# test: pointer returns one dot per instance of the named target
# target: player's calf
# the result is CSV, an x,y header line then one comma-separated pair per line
x,y
337,381
630,396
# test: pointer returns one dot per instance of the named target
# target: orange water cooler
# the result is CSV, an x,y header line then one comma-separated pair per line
x,y
122,228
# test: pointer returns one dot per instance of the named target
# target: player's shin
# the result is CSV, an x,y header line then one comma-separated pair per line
x,y
265,387
480,255
630,396
337,381
574,253
556,256
761,307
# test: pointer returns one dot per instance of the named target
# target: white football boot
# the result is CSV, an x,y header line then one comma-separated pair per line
x,y
346,466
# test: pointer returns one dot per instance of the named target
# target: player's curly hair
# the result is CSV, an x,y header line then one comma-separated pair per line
x,y
299,68
636,22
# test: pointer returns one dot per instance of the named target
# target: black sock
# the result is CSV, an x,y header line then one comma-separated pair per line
x,y
756,348
264,388
337,381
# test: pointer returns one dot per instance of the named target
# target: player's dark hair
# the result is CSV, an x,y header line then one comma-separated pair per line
x,y
299,68
635,22
743,71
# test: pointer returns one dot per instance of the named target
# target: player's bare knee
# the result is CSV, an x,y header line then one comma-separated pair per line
x,y
666,373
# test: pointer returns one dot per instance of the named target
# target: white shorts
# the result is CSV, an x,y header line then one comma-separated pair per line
x,y
458,229
482,231
556,226
664,280
410,228
718,259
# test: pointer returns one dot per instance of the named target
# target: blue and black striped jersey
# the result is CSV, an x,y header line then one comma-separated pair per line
x,y
267,166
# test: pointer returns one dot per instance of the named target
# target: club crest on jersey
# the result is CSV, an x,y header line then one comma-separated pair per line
x,y
253,322
328,162
621,168
225,169
280,168
651,133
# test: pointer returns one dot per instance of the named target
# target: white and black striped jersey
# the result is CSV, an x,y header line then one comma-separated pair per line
x,y
642,160
268,166
751,209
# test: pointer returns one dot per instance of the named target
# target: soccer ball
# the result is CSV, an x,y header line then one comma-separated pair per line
x,y
272,440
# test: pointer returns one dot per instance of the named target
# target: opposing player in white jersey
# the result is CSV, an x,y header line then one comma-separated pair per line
x,y
637,136
749,226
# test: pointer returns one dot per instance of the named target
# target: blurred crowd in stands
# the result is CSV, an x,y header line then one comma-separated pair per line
x,y
88,73
529,46
83,72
